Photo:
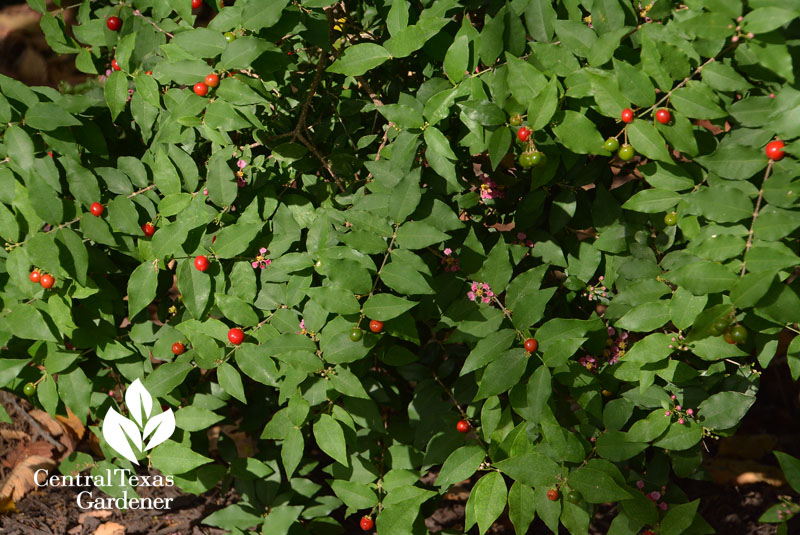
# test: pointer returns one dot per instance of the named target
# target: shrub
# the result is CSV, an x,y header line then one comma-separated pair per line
x,y
331,255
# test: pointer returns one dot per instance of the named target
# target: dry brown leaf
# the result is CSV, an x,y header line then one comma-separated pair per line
x,y
13,434
110,528
738,472
72,423
47,421
39,448
21,478
93,514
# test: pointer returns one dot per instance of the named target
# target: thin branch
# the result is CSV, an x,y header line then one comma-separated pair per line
x,y
30,419
755,216
138,13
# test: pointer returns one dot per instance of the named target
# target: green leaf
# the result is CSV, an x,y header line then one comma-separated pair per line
x,y
748,290
166,378
487,349
141,287
766,19
652,348
679,518
230,381
168,239
48,116
735,162
645,317
383,307
680,437
721,204
702,278
202,42
335,300
29,323
456,60
652,201
724,410
525,81
116,92
696,103
576,36
355,495
542,108
645,139
257,16
405,196
503,373
596,486
577,133
723,77
489,500
359,59
404,279
174,458
192,418
460,465
531,468
791,469
418,235
75,389
521,506
330,438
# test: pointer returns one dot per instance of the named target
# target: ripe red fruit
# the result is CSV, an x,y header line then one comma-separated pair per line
x,y
200,89
201,263
212,80
463,426
375,326
367,523
523,133
648,532
149,229
114,23
531,345
196,4
627,115
178,348
47,281
97,209
552,495
663,116
115,65
236,336
35,275
774,150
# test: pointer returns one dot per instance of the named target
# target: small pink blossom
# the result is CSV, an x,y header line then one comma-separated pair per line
x,y
592,439
302,327
663,506
640,484
261,261
241,182
450,261
672,397
241,164
205,191
772,95
490,189
480,290
447,251
680,420
654,495
690,412
667,413
677,407
588,362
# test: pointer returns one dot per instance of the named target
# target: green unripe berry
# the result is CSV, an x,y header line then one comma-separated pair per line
x,y
515,120
738,334
525,159
538,158
230,36
29,389
626,153
356,334
611,144
719,327
671,219
574,496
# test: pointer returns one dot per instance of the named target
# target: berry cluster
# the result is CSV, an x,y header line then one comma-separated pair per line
x,y
210,81
44,279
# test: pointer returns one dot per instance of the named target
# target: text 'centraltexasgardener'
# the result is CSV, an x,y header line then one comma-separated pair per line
x,y
118,477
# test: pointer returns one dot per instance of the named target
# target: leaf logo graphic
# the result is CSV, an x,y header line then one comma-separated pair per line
x,y
125,435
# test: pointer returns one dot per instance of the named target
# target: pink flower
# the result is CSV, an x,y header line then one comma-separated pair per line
x,y
611,331
672,397
480,290
490,189
592,439
302,327
640,484
241,164
677,407
667,413
261,261
450,261
205,191
654,495
680,420
663,506
689,412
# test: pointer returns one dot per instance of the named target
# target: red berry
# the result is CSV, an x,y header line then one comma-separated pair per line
x,y
627,115
35,275
200,89
115,65
236,336
367,523
178,348
552,495
648,532
531,345
201,263
47,281
463,426
523,133
148,72
375,326
212,80
774,150
196,4
149,229
663,116
114,23
97,209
